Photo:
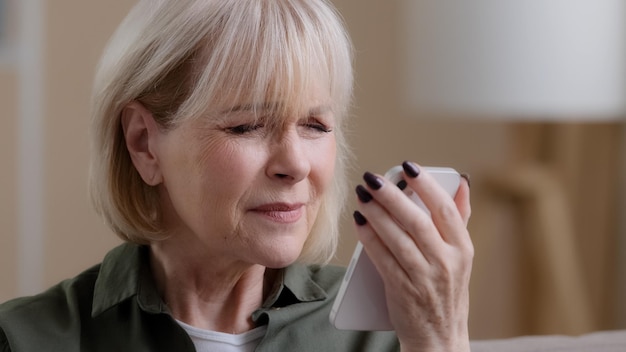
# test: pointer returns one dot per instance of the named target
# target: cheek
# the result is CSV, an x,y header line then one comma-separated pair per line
x,y
214,155
225,169
324,158
194,165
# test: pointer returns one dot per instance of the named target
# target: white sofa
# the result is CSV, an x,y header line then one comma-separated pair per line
x,y
604,341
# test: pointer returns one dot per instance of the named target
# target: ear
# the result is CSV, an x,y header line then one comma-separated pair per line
x,y
141,134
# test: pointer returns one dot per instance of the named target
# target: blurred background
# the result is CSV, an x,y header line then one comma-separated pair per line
x,y
528,99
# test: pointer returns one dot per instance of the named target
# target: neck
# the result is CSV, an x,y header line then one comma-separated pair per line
x,y
209,292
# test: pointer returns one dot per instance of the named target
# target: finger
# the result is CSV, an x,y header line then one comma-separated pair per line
x,y
444,212
391,270
405,229
410,216
377,251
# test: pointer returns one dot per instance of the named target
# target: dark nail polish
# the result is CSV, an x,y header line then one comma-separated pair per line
x,y
402,185
363,194
410,169
359,218
467,178
372,180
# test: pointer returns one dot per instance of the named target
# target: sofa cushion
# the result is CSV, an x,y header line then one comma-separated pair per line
x,y
603,341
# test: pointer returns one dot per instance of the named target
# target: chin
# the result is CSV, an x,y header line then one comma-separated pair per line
x,y
281,257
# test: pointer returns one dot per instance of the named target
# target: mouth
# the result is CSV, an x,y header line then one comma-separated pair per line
x,y
281,212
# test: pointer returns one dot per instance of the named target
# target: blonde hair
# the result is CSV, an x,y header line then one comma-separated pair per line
x,y
183,58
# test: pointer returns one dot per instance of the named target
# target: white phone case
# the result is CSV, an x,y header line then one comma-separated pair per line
x,y
360,303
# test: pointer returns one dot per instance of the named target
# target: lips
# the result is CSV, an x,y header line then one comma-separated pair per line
x,y
281,212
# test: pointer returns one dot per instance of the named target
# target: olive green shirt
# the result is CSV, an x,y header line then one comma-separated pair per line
x,y
115,306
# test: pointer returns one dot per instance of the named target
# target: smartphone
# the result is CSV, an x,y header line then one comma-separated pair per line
x,y
360,303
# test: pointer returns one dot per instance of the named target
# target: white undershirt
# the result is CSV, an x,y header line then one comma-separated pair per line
x,y
214,341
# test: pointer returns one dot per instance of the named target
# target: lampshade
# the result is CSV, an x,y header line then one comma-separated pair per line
x,y
531,59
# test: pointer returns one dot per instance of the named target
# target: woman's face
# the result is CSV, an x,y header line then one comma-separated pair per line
x,y
237,188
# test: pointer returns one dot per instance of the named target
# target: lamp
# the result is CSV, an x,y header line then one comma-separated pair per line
x,y
521,61
530,59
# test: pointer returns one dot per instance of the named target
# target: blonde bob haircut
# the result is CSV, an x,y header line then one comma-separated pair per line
x,y
187,59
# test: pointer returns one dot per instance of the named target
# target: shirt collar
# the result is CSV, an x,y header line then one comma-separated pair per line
x,y
296,284
125,273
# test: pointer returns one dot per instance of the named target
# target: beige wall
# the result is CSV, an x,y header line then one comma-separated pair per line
x,y
8,160
75,237
381,133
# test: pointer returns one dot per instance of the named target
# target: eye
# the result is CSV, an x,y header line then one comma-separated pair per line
x,y
244,129
317,126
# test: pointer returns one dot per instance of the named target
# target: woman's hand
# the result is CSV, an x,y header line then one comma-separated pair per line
x,y
425,262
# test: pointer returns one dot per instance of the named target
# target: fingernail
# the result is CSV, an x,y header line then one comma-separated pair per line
x,y
363,194
402,185
410,169
372,180
359,218
467,178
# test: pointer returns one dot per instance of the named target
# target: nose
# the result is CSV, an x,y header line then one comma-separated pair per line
x,y
288,160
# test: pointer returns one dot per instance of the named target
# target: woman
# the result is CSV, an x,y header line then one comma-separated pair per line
x,y
219,156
